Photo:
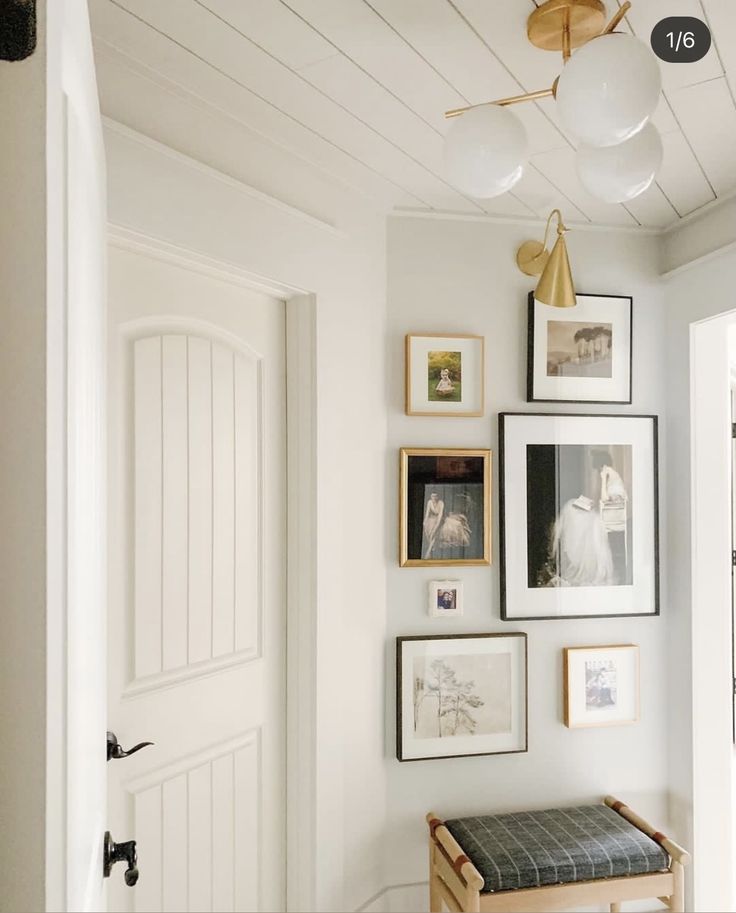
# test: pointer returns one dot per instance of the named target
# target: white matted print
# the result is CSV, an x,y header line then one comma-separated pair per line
x,y
460,695
601,685
445,598
580,354
444,375
579,519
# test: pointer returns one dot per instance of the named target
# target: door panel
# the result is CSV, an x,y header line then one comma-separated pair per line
x,y
197,647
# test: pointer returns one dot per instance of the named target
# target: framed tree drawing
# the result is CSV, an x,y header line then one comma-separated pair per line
x,y
579,516
444,375
581,354
444,507
459,695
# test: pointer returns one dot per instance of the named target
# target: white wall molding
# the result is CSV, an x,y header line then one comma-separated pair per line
x,y
531,221
700,261
234,184
131,239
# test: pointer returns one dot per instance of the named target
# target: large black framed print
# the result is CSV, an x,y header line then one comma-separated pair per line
x,y
579,516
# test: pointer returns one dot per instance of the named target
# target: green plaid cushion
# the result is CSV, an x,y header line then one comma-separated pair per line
x,y
558,846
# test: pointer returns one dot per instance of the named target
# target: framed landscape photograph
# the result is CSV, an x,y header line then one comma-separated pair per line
x,y
579,516
581,354
445,598
459,695
444,507
601,685
444,375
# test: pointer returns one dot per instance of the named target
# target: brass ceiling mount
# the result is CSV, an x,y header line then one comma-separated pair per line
x,y
582,19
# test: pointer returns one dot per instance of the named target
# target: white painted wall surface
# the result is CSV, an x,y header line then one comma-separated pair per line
x,y
343,263
457,276
23,478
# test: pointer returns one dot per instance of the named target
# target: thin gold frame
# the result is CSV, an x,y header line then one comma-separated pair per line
x,y
457,413
566,684
405,453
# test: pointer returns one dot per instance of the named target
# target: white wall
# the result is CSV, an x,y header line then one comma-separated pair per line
x,y
23,249
458,276
342,261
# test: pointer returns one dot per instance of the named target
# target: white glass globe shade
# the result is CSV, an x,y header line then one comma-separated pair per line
x,y
608,90
485,151
616,174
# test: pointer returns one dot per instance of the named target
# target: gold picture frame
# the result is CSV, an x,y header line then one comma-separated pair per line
x,y
447,536
588,703
471,349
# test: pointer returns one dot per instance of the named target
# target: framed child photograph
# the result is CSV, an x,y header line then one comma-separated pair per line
x,y
581,354
445,598
445,375
459,695
579,516
444,507
601,685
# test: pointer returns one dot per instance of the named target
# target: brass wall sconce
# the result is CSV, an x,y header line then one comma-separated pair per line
x,y
555,286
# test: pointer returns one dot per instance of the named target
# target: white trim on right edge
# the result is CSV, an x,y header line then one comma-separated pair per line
x,y
301,643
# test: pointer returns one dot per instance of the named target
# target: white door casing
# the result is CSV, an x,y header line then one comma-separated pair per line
x,y
197,582
76,472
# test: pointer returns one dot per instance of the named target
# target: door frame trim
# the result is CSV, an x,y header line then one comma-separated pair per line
x,y
301,559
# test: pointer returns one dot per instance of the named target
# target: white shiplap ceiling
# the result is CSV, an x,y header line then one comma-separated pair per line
x,y
358,88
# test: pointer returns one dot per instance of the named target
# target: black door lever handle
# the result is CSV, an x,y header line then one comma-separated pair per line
x,y
115,750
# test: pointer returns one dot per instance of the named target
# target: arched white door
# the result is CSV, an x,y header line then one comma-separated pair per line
x,y
197,581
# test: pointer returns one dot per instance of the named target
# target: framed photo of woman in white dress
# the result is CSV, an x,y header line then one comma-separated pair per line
x,y
444,515
579,516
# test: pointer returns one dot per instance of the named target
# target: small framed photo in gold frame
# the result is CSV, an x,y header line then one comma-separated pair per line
x,y
444,507
601,685
445,375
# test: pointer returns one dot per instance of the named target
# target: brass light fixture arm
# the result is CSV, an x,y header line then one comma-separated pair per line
x,y
544,93
503,102
625,7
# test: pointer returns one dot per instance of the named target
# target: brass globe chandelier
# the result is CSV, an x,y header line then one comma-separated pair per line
x,y
606,94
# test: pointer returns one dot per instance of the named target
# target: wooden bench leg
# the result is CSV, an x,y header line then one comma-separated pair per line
x,y
677,901
435,898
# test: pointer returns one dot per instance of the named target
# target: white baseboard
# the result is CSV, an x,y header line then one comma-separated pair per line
x,y
414,898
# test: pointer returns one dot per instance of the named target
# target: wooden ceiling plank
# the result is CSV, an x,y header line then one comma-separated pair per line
x,y
681,177
255,71
559,167
155,107
375,47
652,208
708,118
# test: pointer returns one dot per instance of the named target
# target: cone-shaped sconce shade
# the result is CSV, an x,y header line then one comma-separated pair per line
x,y
555,286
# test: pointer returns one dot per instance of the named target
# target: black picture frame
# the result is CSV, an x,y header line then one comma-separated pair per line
x,y
531,317
400,754
520,619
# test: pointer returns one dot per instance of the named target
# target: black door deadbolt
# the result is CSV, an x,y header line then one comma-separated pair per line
x,y
120,852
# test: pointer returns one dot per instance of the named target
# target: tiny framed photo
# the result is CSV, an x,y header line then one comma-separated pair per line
x,y
445,375
581,354
579,515
444,507
459,695
601,685
445,598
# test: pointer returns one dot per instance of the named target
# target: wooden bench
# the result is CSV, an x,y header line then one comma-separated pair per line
x,y
543,861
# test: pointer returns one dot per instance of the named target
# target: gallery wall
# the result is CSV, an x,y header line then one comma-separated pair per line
x,y
456,276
